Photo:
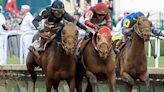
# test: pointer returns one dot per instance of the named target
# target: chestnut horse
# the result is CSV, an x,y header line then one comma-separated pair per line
x,y
98,57
132,59
57,61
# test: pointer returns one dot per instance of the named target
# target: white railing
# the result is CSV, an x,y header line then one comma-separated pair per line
x,y
25,40
157,49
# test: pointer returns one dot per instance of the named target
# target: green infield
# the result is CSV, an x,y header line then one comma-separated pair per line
x,y
151,61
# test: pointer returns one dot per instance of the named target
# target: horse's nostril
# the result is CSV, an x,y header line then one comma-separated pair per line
x,y
106,52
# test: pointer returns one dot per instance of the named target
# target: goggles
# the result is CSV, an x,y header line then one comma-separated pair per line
x,y
54,10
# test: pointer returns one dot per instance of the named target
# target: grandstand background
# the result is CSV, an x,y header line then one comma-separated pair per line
x,y
156,15
14,50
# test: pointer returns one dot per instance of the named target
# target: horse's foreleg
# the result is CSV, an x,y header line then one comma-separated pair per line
x,y
145,78
112,81
127,78
89,86
30,69
79,77
48,84
92,79
129,87
55,85
71,84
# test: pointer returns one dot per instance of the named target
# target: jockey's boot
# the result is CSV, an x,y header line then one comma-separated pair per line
x,y
33,50
43,40
119,45
78,55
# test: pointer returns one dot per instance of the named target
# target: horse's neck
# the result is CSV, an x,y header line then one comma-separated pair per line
x,y
137,45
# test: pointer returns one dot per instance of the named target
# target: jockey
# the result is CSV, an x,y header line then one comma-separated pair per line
x,y
53,16
126,27
93,18
96,16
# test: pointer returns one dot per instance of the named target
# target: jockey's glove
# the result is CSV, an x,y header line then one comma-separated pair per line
x,y
91,30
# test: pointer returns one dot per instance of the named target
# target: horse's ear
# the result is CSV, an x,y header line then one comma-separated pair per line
x,y
64,21
75,22
148,15
98,37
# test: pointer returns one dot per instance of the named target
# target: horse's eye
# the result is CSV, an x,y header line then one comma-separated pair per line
x,y
139,23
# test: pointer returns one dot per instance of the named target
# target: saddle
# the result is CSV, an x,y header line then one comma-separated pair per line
x,y
84,44
86,41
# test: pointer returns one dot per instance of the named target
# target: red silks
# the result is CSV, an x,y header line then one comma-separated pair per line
x,y
11,6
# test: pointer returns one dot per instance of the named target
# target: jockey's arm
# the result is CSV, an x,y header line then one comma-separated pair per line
x,y
68,17
87,17
109,21
43,14
156,31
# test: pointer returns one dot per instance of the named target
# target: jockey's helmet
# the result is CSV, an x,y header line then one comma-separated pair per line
x,y
57,8
140,13
101,8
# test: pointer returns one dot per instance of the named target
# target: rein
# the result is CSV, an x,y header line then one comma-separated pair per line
x,y
136,29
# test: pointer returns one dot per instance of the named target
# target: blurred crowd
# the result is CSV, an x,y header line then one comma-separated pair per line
x,y
16,21
22,20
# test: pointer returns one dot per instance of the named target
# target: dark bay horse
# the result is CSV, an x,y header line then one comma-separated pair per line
x,y
132,59
98,57
57,61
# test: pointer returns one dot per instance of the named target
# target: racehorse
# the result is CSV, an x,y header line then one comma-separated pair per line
x,y
132,61
57,61
98,57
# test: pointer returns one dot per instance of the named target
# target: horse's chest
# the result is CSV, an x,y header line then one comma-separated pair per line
x,y
61,70
134,68
96,67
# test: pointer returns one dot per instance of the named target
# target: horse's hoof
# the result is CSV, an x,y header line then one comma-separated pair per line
x,y
93,80
131,81
148,90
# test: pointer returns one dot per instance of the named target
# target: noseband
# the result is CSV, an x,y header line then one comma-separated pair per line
x,y
139,31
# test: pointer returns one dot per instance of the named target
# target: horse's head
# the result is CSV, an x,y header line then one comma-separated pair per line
x,y
104,41
69,36
143,27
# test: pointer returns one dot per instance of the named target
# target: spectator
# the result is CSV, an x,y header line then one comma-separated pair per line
x,y
8,23
76,15
15,23
78,9
2,20
26,23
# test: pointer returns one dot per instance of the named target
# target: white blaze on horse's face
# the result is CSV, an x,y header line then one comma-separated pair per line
x,y
69,38
103,46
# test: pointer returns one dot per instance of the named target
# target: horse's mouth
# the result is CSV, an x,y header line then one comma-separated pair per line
x,y
69,51
146,38
103,55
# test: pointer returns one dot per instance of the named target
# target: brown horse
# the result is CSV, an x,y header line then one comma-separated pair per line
x,y
132,59
57,61
98,57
